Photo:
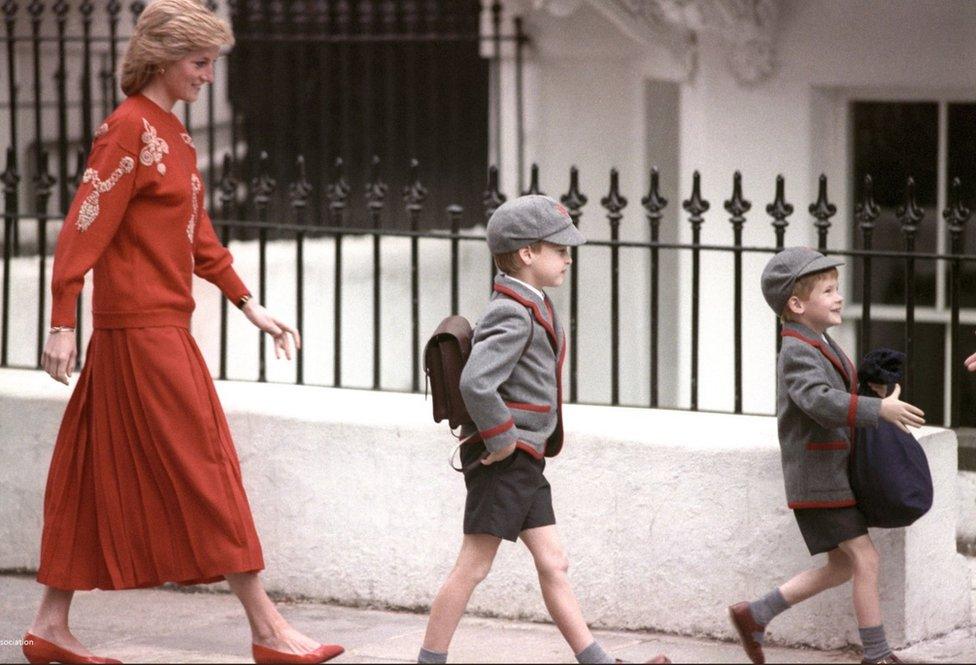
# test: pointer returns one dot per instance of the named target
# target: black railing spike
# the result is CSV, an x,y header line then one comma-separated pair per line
x,y
337,191
654,203
114,8
61,8
35,8
414,194
10,8
87,8
533,181
493,196
44,181
10,177
574,199
737,206
696,206
136,9
909,214
263,185
614,202
300,189
211,5
867,211
956,214
822,209
779,209
375,189
227,184
81,160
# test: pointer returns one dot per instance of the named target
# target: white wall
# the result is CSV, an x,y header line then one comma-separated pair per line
x,y
667,517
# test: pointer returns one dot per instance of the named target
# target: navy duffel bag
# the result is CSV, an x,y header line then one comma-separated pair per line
x,y
889,471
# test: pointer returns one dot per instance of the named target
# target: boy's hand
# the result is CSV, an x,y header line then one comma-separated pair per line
x,y
498,455
970,363
901,413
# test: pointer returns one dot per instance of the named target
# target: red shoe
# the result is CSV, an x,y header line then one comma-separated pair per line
x,y
324,653
40,651
745,625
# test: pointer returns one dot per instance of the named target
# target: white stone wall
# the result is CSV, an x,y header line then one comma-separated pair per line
x,y
667,517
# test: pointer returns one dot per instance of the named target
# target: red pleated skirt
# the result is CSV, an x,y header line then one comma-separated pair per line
x,y
145,485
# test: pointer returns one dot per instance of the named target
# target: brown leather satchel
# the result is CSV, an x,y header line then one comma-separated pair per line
x,y
444,356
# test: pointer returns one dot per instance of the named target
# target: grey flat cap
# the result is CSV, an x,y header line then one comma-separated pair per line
x,y
780,274
527,219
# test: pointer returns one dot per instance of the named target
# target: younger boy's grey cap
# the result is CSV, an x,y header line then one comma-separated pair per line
x,y
527,219
780,274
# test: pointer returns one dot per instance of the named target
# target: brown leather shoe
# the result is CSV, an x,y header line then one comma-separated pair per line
x,y
745,625
890,658
660,658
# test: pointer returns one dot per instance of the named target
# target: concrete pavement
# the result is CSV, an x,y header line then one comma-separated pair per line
x,y
167,625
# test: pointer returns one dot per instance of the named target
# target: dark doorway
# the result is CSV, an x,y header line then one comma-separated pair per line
x,y
399,79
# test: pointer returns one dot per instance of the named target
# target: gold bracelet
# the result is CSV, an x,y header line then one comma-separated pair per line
x,y
243,300
57,329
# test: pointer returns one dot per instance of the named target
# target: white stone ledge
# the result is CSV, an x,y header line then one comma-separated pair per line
x,y
667,516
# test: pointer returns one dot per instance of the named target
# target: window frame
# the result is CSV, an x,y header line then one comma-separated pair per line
x,y
841,158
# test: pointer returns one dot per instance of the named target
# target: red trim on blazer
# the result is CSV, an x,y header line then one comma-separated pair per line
x,y
843,503
850,377
497,429
827,445
522,445
825,350
524,406
531,304
559,389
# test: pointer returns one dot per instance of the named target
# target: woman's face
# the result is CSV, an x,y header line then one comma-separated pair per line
x,y
184,78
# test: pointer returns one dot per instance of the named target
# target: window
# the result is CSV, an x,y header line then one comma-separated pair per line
x,y
933,141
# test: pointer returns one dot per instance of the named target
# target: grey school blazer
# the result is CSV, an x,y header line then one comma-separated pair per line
x,y
511,382
817,411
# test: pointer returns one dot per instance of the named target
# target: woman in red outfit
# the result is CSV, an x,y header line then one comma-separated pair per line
x,y
145,486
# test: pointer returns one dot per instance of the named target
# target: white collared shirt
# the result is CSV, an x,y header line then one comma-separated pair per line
x,y
531,288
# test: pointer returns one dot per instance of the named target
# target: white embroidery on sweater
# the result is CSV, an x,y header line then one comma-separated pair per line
x,y
89,207
196,187
154,149
187,139
101,131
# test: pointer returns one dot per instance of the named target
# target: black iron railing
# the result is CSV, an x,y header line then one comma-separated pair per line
x,y
375,204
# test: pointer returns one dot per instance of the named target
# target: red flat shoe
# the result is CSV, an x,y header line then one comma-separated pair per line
x,y
39,651
745,625
324,653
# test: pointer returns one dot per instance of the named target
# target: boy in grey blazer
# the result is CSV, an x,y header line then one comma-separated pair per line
x,y
512,388
817,411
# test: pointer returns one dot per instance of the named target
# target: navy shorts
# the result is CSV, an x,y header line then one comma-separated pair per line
x,y
507,497
824,529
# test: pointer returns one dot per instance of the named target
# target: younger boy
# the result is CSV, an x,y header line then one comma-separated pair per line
x,y
817,411
512,389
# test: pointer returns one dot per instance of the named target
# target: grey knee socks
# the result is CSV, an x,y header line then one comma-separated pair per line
x,y
431,656
874,642
766,608
594,654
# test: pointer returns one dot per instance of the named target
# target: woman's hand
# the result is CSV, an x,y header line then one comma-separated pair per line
x,y
261,318
60,355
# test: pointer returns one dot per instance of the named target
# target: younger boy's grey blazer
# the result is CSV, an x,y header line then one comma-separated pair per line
x,y
511,383
817,411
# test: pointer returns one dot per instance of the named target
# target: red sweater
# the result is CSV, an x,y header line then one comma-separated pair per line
x,y
139,220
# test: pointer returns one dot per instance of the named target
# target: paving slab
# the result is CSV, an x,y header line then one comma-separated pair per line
x,y
178,626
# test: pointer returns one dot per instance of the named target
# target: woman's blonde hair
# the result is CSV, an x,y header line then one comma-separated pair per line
x,y
167,31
